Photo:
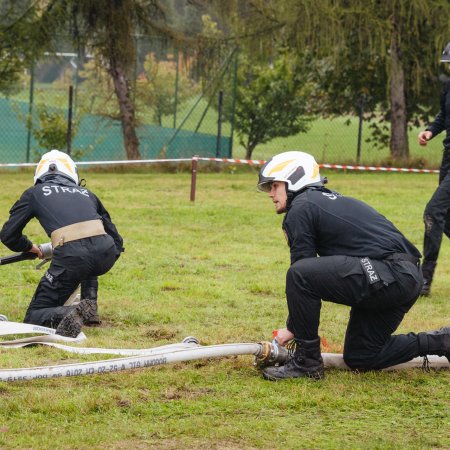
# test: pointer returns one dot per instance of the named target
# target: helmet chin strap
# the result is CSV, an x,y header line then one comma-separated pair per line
x,y
290,197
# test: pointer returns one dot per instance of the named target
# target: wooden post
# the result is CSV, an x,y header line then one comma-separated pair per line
x,y
194,176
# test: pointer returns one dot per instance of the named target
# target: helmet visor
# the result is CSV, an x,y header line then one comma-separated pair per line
x,y
265,186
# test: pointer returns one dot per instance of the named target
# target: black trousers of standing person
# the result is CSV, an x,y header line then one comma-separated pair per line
x,y
437,213
76,262
376,309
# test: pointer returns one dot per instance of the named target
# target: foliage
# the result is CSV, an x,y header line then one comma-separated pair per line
x,y
385,50
271,101
96,92
162,88
48,126
360,74
108,29
21,41
52,130
215,270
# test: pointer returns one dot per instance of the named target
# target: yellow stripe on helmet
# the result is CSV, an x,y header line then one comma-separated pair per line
x,y
315,171
66,164
39,167
279,167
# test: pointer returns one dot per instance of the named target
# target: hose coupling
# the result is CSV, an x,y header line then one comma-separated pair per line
x,y
47,251
271,354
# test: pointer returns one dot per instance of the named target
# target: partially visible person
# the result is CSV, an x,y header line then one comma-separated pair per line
x,y
343,251
86,243
437,211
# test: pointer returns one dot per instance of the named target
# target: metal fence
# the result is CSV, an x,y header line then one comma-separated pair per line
x,y
179,115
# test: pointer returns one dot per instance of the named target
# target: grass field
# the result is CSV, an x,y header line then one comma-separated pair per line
x,y
215,269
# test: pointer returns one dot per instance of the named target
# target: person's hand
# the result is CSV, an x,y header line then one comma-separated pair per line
x,y
35,249
424,137
284,336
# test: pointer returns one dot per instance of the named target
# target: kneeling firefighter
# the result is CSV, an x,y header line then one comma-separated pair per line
x,y
345,252
85,243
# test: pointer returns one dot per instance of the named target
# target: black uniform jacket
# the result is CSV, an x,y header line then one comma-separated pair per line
x,y
56,202
442,120
326,223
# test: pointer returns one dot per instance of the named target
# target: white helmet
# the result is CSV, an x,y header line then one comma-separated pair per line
x,y
56,162
296,169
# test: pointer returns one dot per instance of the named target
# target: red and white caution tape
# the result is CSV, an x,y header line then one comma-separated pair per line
x,y
377,168
325,166
256,162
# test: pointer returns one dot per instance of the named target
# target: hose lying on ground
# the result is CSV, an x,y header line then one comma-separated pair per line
x,y
188,350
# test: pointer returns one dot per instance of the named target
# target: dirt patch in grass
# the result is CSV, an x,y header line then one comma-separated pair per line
x,y
185,392
160,333
175,444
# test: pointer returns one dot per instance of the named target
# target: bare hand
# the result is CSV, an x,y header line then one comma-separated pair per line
x,y
424,137
35,249
284,336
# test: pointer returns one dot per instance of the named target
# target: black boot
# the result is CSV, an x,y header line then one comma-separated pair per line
x,y
435,342
71,324
305,362
89,289
428,268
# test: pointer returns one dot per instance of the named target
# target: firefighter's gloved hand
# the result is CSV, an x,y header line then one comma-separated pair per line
x,y
35,249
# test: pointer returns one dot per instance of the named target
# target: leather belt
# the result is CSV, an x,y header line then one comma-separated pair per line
x,y
77,231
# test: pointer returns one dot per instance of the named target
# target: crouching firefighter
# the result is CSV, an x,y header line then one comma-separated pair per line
x,y
345,252
85,243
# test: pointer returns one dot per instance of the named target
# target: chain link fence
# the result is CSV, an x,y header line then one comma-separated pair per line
x,y
177,112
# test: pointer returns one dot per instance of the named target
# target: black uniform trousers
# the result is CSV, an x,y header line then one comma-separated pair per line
x,y
376,310
437,213
76,262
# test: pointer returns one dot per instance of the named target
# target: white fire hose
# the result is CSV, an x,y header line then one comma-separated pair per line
x,y
266,354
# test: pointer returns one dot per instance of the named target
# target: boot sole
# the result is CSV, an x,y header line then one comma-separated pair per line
x,y
88,311
84,312
94,322
313,376
70,325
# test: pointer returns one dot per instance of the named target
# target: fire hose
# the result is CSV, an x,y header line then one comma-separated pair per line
x,y
46,249
265,353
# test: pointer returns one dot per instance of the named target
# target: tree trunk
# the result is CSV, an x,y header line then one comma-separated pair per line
x,y
249,150
399,137
127,113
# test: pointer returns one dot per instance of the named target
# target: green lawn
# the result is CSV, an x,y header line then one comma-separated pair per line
x,y
215,269
334,141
